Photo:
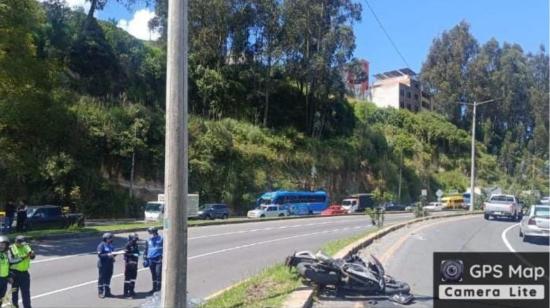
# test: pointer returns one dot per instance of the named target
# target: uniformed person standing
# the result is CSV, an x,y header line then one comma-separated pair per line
x,y
131,257
153,257
4,266
105,265
21,254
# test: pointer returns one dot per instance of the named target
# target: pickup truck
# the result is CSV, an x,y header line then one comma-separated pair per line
x,y
51,216
268,211
506,206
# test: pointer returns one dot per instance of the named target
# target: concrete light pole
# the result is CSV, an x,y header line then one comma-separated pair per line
x,y
174,270
473,164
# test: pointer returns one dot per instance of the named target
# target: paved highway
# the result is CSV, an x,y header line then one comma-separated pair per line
x,y
65,273
407,254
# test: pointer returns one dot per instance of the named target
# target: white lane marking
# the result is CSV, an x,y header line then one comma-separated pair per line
x,y
505,240
271,241
268,229
200,256
207,236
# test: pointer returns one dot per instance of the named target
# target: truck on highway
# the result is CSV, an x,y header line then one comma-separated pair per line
x,y
358,202
503,206
154,210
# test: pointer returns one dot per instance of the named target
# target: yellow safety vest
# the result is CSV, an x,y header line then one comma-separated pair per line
x,y
4,265
21,252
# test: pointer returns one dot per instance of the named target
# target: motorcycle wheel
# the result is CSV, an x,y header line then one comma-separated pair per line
x,y
317,276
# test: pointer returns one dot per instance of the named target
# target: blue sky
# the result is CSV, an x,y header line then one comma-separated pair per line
x,y
413,24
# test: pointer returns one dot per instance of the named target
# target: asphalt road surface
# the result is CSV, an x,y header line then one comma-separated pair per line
x,y
407,254
64,274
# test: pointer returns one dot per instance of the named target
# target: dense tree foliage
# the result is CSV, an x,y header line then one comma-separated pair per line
x,y
515,126
80,100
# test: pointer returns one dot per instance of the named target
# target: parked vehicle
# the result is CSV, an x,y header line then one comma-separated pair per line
x,y
536,223
390,206
154,210
268,211
453,202
506,206
434,206
358,202
350,275
334,210
296,202
213,211
51,216
545,200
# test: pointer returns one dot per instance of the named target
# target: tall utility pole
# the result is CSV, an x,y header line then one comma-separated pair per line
x,y
473,163
174,270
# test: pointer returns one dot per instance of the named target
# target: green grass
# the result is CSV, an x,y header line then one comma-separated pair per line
x,y
272,286
267,289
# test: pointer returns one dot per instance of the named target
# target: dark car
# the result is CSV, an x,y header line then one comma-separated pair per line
x,y
390,206
213,211
51,216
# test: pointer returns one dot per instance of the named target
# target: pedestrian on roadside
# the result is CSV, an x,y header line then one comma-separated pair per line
x,y
105,265
131,257
21,255
4,266
10,212
153,258
21,217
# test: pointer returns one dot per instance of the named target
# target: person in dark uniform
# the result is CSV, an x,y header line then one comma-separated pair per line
x,y
153,258
105,265
21,255
4,266
21,217
131,257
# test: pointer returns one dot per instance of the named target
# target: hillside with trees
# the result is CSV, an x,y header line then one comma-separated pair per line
x,y
82,108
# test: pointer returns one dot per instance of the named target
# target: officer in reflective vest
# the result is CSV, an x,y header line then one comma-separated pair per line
x,y
21,254
105,265
131,256
153,257
4,266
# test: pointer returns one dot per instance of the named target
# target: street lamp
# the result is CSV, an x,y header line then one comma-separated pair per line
x,y
473,164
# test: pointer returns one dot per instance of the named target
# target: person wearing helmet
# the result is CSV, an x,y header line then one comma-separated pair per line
x,y
4,265
105,265
21,256
131,257
153,257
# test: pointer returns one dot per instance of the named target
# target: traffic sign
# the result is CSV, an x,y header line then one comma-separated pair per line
x,y
439,193
424,192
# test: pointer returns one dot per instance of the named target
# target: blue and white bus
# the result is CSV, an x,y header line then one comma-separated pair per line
x,y
296,202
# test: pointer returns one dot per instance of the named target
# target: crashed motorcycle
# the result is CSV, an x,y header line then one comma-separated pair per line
x,y
349,275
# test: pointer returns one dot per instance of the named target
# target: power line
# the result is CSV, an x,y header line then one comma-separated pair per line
x,y
387,34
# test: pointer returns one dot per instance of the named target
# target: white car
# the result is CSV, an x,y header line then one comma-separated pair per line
x,y
267,211
545,200
434,207
536,222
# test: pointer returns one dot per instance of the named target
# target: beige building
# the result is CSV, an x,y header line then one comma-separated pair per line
x,y
399,89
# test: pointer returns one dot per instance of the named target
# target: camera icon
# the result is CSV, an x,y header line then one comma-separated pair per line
x,y
452,270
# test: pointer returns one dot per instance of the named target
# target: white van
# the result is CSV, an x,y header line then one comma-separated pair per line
x,y
154,210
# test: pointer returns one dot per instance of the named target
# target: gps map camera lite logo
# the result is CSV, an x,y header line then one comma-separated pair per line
x,y
490,279
452,270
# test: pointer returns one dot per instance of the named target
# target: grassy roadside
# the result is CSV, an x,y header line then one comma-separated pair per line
x,y
271,287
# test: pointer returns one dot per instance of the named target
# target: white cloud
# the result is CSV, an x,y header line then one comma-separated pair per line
x,y
138,26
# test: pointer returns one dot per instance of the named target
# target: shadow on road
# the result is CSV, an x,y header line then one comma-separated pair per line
x,y
542,241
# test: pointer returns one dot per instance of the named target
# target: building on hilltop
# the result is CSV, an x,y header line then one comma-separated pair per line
x,y
399,89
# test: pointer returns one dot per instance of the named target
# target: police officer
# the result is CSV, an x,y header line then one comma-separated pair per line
x,y
4,266
105,265
21,254
153,257
131,257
